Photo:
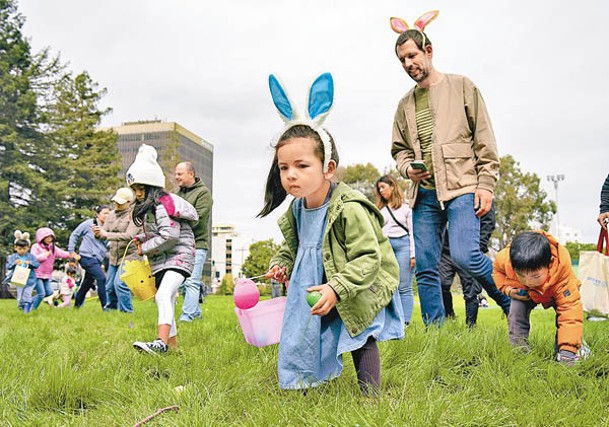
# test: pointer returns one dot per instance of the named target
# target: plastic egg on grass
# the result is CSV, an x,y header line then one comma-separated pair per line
x,y
313,297
246,293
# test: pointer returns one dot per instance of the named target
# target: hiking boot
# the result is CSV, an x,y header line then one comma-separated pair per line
x,y
157,346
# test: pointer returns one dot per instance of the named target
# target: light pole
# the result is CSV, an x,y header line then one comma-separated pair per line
x,y
556,179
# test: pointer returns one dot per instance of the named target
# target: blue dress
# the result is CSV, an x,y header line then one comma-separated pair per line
x,y
311,347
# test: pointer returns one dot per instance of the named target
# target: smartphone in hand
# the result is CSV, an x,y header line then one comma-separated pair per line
x,y
419,165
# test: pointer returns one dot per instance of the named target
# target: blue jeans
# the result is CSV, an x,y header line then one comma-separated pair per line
x,y
119,294
429,220
24,294
43,289
401,249
93,273
192,289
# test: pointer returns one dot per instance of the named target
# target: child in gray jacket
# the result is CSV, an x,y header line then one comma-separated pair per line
x,y
166,238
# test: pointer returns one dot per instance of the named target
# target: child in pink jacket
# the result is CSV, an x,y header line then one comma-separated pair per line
x,y
45,251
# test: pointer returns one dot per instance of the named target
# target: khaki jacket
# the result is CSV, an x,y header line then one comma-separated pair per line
x,y
561,291
120,230
464,152
357,257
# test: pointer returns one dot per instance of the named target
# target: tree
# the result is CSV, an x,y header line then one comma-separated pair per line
x,y
54,166
360,177
520,203
81,168
575,248
227,285
260,254
19,118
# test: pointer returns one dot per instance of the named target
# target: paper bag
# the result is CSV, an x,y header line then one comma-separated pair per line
x,y
20,276
594,275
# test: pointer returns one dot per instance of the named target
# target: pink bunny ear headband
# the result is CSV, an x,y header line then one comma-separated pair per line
x,y
320,101
399,25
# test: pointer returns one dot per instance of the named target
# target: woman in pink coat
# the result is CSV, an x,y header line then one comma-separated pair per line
x,y
45,251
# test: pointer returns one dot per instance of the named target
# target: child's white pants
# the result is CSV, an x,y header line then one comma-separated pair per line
x,y
166,298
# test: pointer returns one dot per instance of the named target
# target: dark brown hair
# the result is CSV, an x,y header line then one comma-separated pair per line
x,y
274,194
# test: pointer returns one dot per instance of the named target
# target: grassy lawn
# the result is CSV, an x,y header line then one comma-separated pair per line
x,y
78,368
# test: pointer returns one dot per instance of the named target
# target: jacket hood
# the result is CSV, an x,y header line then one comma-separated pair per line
x,y
560,265
346,195
42,233
179,208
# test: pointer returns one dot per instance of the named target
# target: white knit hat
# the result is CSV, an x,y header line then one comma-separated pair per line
x,y
145,169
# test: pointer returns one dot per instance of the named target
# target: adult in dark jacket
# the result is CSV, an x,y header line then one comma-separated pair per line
x,y
471,288
193,190
603,217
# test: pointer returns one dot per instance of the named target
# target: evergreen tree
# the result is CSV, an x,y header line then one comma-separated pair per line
x,y
54,166
81,166
19,124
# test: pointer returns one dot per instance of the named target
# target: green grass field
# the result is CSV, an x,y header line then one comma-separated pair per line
x,y
78,368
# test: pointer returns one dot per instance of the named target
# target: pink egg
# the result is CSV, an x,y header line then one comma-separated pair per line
x,y
246,293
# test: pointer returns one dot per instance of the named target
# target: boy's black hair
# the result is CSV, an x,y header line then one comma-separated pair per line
x,y
22,243
530,251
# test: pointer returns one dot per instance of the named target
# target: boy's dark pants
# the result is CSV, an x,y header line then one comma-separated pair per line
x,y
519,323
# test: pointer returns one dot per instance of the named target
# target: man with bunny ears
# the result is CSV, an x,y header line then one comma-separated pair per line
x,y
443,141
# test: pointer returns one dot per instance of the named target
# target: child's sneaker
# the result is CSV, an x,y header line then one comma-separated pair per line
x,y
27,307
157,346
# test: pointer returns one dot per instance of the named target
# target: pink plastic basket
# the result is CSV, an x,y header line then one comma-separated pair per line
x,y
261,324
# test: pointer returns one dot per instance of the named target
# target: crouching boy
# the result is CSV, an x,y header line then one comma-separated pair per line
x,y
536,269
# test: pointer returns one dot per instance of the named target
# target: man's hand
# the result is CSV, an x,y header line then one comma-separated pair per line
x,y
603,219
417,175
483,199
413,262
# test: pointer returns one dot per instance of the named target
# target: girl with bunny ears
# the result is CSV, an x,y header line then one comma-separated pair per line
x,y
333,245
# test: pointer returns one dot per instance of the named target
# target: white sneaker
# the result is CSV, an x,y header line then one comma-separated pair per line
x,y
157,346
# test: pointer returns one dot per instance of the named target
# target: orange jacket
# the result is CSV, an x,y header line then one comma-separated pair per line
x,y
560,291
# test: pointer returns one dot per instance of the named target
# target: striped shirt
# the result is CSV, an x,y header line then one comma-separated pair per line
x,y
425,131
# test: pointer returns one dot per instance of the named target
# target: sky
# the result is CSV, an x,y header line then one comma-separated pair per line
x,y
205,65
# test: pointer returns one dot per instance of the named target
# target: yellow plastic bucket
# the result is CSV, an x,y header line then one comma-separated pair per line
x,y
138,277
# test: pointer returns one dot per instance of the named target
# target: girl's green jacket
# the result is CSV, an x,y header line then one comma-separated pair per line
x,y
358,260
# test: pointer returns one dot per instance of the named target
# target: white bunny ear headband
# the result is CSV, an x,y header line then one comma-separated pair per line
x,y
21,236
399,25
319,103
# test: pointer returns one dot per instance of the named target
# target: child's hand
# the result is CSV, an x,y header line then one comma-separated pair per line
x,y
18,262
515,293
277,273
327,301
